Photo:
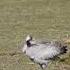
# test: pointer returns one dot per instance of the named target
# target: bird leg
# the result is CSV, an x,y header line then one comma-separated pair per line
x,y
43,63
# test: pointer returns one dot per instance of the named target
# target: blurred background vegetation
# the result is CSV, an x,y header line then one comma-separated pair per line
x,y
48,19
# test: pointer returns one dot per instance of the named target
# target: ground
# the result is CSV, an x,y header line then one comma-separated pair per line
x,y
47,19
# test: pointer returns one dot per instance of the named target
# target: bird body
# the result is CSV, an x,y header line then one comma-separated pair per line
x,y
41,53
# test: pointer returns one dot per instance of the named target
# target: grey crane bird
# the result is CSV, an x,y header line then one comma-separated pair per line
x,y
42,53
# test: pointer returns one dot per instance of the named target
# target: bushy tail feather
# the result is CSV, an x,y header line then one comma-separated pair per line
x,y
63,49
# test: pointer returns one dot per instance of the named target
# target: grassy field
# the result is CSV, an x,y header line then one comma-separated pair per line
x,y
48,19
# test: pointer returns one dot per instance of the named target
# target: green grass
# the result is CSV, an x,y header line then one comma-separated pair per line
x,y
48,19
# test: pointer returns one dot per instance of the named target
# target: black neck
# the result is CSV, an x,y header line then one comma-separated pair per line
x,y
28,43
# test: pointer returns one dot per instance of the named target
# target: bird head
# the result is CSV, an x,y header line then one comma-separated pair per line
x,y
27,43
28,38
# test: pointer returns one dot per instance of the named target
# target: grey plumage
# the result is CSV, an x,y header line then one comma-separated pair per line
x,y
42,53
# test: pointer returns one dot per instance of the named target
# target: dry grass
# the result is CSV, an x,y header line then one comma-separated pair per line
x,y
48,19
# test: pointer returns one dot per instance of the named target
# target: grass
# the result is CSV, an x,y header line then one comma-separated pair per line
x,y
48,19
